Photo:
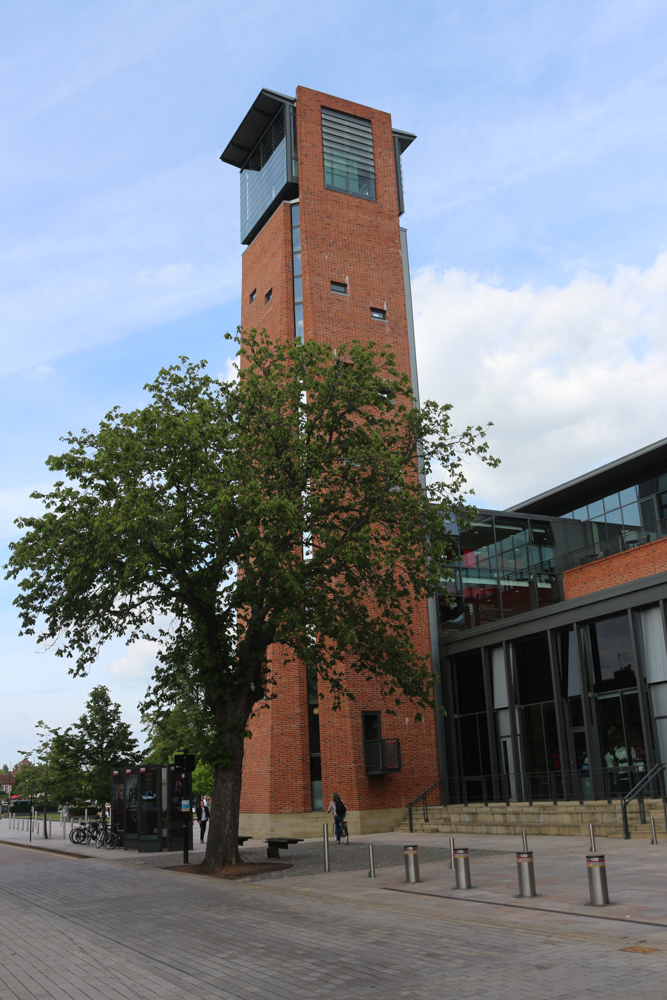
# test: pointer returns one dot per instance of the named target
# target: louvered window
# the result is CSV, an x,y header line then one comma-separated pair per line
x,y
348,154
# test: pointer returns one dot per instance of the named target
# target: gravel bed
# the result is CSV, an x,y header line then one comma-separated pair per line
x,y
308,859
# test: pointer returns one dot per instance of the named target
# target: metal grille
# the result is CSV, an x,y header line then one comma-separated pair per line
x,y
348,154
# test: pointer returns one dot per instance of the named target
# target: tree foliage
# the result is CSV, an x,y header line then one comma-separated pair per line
x,y
186,522
173,729
74,765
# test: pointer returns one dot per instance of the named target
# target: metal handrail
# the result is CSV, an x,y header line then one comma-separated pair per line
x,y
423,799
657,771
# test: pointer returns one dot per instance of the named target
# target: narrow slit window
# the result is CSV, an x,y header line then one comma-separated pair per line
x,y
269,295
378,313
253,295
339,287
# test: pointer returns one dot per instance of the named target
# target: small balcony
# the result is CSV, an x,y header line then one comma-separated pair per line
x,y
382,756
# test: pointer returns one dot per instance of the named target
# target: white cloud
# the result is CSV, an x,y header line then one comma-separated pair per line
x,y
572,377
137,664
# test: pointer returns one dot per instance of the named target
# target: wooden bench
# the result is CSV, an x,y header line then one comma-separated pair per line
x,y
242,840
276,843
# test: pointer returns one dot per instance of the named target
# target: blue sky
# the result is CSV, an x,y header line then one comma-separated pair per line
x,y
536,208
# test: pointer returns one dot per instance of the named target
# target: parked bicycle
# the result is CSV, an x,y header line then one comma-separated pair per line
x,y
98,833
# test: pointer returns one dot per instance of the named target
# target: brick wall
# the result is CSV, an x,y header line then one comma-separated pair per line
x,y
634,564
351,240
267,265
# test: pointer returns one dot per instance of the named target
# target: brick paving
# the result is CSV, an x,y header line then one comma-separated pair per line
x,y
95,929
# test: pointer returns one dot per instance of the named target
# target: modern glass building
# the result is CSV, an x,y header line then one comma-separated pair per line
x,y
553,653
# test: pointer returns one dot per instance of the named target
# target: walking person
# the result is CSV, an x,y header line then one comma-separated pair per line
x,y
203,817
339,810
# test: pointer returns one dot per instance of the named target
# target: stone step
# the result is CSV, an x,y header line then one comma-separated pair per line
x,y
575,830
563,819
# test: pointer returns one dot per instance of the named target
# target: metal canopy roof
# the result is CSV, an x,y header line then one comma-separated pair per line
x,y
253,126
405,139
625,471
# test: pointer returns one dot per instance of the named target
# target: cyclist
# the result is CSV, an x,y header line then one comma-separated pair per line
x,y
338,808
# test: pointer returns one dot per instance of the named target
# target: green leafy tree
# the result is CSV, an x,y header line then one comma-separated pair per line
x,y
74,765
102,741
285,506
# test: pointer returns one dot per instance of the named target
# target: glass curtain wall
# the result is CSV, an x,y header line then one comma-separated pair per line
x,y
264,175
643,505
583,740
535,696
472,728
507,567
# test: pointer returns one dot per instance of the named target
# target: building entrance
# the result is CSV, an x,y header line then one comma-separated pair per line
x,y
621,741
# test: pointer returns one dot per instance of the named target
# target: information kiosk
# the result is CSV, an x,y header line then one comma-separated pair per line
x,y
147,805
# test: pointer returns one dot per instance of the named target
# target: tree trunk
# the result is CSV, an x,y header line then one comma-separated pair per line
x,y
222,845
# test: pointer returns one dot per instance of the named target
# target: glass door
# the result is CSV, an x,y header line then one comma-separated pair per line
x,y
621,740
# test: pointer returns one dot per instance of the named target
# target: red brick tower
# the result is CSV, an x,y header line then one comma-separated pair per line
x,y
321,196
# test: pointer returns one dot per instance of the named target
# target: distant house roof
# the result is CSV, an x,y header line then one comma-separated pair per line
x,y
616,475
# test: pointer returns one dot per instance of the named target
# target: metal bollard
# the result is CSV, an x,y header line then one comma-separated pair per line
x,y
371,862
411,856
325,840
597,879
526,873
50,828
524,841
654,836
462,868
451,853
592,838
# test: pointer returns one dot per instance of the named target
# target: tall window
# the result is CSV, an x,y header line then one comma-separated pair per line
x,y
296,272
348,154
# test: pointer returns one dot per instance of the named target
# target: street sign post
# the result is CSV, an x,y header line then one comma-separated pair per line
x,y
186,761
187,814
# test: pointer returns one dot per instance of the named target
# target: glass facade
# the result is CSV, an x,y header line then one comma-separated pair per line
x,y
270,173
578,729
508,565
349,164
314,747
641,506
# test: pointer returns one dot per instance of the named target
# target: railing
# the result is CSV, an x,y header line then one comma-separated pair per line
x,y
656,773
382,756
569,784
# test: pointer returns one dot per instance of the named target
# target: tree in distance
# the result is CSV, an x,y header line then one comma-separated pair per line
x,y
74,766
285,506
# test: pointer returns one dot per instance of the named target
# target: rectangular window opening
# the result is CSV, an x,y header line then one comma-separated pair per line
x,y
339,287
269,295
378,313
253,295
372,726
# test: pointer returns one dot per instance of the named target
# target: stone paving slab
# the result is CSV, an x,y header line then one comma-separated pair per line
x,y
117,930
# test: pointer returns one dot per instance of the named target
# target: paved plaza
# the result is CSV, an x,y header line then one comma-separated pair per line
x,y
99,924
